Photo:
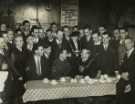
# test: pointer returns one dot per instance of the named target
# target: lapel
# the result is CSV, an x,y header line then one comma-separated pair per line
x,y
131,56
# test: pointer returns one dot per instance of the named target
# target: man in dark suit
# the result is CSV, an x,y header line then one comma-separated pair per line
x,y
75,50
88,65
126,86
107,60
35,68
86,40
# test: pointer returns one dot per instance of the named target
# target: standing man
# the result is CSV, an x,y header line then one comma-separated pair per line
x,y
86,40
127,82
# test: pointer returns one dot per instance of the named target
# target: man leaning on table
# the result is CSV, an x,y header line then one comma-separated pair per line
x,y
126,85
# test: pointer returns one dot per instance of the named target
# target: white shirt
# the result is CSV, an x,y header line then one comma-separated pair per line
x,y
76,45
130,52
105,46
1,52
38,64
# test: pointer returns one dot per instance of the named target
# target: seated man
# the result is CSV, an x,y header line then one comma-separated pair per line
x,y
61,67
88,64
35,68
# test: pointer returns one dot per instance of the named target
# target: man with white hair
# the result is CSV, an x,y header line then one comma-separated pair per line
x,y
126,85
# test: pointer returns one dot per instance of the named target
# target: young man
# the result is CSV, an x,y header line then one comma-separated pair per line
x,y
86,40
35,67
107,58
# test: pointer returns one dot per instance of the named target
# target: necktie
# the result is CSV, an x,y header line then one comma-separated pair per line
x,y
38,66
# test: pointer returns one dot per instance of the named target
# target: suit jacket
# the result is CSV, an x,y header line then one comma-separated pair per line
x,y
129,66
90,67
31,70
107,60
86,44
60,69
18,63
56,48
72,45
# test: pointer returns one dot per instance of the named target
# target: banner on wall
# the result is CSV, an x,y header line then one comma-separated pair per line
x,y
69,12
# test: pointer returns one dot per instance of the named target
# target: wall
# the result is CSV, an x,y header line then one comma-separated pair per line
x,y
48,11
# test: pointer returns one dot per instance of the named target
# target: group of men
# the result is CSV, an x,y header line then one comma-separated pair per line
x,y
30,53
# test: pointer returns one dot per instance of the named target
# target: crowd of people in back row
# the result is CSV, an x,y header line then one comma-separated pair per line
x,y
30,53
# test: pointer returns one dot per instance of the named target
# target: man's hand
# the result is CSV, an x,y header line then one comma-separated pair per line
x,y
20,78
81,69
127,88
125,76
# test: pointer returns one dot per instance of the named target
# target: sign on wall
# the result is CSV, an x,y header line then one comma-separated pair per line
x,y
69,12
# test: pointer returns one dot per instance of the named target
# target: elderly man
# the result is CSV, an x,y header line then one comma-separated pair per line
x,y
126,86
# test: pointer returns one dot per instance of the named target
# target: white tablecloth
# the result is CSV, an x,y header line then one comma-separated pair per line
x,y
37,90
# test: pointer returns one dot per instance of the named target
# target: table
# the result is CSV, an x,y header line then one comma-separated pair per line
x,y
37,90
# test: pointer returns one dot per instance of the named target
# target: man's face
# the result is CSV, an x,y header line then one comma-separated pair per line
x,y
3,27
101,29
49,34
66,31
123,33
5,37
48,50
2,43
10,35
129,44
19,41
35,32
59,35
54,28
64,54
95,37
87,32
85,54
116,33
29,40
27,26
40,50
106,39
41,33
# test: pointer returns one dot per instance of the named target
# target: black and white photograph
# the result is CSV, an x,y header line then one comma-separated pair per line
x,y
67,51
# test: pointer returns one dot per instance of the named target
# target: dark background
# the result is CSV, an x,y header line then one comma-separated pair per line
x,y
109,13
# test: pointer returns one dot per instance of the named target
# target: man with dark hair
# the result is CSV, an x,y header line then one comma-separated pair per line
x,y
54,28
35,68
107,59
86,40
26,29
